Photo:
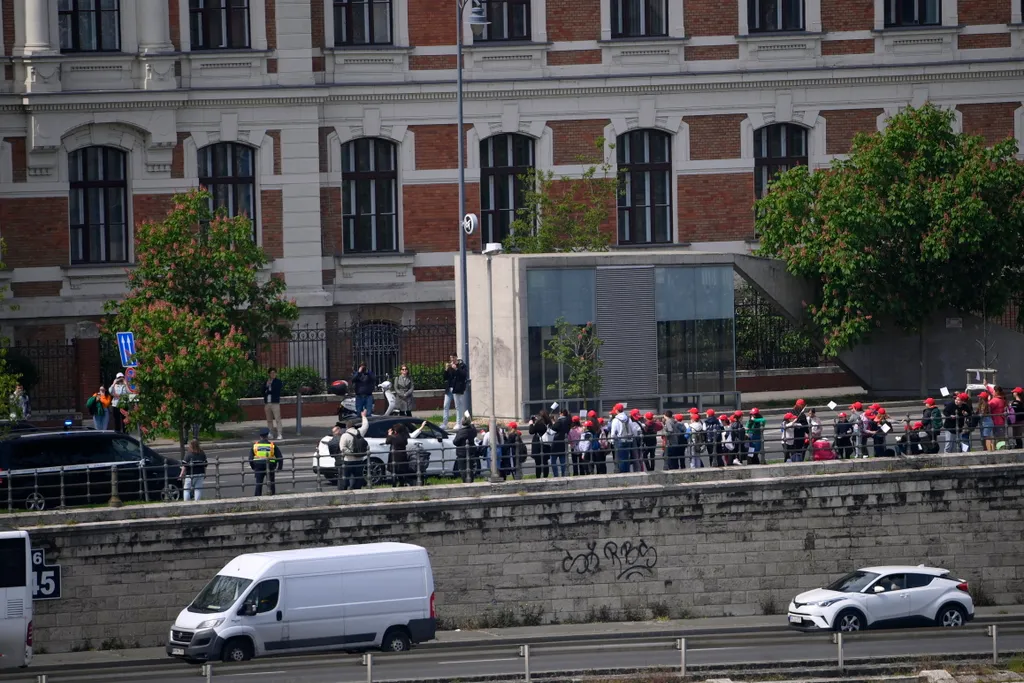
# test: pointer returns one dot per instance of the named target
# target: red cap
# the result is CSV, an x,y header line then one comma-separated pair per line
x,y
962,396
918,425
648,415
710,412
789,416
1018,390
694,411
592,414
875,406
600,420
678,417
983,394
842,414
881,411
513,425
589,425
800,402
857,405
575,418
869,414
635,412
737,413
755,411
929,401
619,408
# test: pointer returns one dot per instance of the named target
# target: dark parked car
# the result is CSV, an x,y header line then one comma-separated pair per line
x,y
43,470
17,426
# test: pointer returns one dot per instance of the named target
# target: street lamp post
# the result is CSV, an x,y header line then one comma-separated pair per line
x,y
477,20
492,249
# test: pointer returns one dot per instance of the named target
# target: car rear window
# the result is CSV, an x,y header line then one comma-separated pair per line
x,y
919,580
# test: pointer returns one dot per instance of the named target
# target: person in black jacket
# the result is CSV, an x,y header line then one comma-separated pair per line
x,y
465,450
272,402
512,452
364,383
540,450
459,385
957,421
844,437
559,451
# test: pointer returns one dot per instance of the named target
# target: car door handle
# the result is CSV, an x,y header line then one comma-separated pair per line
x,y
280,615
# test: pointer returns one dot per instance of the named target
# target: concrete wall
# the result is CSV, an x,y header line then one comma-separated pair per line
x,y
705,543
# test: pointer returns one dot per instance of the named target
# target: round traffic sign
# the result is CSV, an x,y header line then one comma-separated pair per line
x,y
129,380
469,223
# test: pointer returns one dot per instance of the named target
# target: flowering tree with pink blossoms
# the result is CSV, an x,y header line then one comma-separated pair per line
x,y
199,302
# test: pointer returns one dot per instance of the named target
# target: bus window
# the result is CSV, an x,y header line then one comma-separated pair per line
x,y
13,560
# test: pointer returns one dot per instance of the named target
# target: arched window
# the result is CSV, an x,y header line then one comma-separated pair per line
x,y
503,160
89,25
645,199
98,205
777,148
227,170
369,190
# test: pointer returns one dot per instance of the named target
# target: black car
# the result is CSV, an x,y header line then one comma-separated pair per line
x,y
17,426
43,470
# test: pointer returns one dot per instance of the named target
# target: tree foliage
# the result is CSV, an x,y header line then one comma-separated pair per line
x,y
577,349
9,376
917,219
198,304
563,213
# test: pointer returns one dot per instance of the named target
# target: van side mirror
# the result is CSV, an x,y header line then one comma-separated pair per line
x,y
248,610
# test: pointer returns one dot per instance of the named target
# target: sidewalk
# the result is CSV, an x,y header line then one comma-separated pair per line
x,y
527,635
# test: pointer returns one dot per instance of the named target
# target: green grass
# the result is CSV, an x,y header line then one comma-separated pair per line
x,y
1016,665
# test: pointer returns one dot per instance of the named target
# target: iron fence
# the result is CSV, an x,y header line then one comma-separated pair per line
x,y
766,339
48,371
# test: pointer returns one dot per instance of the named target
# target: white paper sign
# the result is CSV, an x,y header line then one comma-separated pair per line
x,y
583,416
554,406
832,405
964,447
944,391
886,428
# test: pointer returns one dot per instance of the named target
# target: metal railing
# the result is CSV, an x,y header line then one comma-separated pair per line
x,y
48,370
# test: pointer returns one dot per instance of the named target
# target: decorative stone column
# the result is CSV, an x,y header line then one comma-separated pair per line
x,y
37,28
41,62
155,49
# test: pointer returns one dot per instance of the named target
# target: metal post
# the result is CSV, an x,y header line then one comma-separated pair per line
x,y
298,412
524,652
493,424
368,663
463,278
41,678
681,646
993,631
837,638
207,672
115,500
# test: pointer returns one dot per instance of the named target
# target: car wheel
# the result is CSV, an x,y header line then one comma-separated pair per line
x,y
170,493
951,616
377,472
395,640
850,621
237,650
35,501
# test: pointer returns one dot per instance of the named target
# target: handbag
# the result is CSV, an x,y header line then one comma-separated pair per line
x,y
548,436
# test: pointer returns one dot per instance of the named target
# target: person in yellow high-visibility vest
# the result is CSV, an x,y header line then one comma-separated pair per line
x,y
265,459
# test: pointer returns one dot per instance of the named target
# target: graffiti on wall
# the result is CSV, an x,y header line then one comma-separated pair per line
x,y
628,560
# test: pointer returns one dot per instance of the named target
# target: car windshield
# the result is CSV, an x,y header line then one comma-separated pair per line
x,y
219,594
854,582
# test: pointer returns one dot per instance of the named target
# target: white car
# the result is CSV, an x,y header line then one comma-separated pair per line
x,y
432,449
884,596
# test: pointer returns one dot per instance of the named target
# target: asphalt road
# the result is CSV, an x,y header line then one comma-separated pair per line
x,y
472,662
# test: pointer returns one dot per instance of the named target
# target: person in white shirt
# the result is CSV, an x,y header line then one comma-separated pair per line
x,y
119,395
695,439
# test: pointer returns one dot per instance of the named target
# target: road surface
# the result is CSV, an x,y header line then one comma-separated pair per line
x,y
463,663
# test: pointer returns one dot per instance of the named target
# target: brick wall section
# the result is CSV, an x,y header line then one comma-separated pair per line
x,y
275,135
31,289
35,231
983,41
178,156
316,32
19,159
977,12
174,20
842,125
151,208
330,220
325,151
574,57
994,122
427,62
847,15
703,53
432,22
40,333
711,18
715,137
847,47
570,20
272,65
437,146
271,6
716,207
7,9
272,222
576,141
428,212
88,364
426,316
433,273
574,189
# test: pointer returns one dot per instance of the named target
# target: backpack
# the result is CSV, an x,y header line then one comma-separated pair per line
x,y
359,445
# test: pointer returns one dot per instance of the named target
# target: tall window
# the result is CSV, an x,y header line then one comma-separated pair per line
x,y
226,169
369,188
777,148
509,20
765,16
89,25
645,199
362,22
913,12
219,24
503,159
97,206
639,18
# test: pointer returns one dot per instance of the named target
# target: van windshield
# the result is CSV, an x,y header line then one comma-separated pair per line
x,y
219,594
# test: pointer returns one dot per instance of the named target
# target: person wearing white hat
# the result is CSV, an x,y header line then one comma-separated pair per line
x,y
118,400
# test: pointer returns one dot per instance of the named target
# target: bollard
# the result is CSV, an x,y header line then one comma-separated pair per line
x,y
207,671
993,631
837,638
368,662
681,646
41,678
298,412
115,500
524,652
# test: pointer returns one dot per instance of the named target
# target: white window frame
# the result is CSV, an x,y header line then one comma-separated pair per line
x,y
812,19
948,11
674,19
399,26
129,31
257,28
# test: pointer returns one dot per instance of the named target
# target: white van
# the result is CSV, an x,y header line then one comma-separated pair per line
x,y
293,601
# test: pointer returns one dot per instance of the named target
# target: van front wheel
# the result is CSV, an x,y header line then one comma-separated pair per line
x,y
396,640
237,650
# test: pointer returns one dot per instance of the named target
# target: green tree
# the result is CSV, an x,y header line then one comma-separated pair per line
x,y
562,213
917,219
577,349
9,377
198,303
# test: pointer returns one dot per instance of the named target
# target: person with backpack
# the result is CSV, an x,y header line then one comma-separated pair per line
x,y
931,419
599,459
98,406
513,452
540,443
355,453
465,450
649,429
738,439
755,435
789,439
844,437
265,459
586,445
713,437
670,426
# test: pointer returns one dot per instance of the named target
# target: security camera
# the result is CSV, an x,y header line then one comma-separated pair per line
x,y
493,249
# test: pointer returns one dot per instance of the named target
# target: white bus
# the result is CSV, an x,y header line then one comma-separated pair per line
x,y
15,599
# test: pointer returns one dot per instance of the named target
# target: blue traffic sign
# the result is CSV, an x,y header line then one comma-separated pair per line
x,y
126,345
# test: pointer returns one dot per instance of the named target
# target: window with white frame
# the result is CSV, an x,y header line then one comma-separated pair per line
x,y
913,12
89,25
97,205
507,20
639,18
777,148
369,190
645,177
228,171
767,16
219,24
362,22
504,159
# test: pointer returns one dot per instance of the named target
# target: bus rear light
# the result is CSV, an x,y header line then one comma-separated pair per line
x,y
28,635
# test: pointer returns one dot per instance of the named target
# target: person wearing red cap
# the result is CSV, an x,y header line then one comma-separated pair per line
x,y
801,430
713,437
735,440
857,422
985,422
997,407
844,437
649,429
957,419
695,440
586,446
755,436
540,442
1015,417
672,447
931,420
789,425
573,445
599,460
624,434
513,452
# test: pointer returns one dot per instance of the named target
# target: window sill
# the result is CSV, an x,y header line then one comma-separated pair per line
x,y
779,46
367,62
212,68
627,40
918,40
505,55
939,28
374,270
648,246
644,51
100,270
760,36
375,259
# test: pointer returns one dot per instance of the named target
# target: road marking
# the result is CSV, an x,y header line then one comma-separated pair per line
x,y
480,661
253,673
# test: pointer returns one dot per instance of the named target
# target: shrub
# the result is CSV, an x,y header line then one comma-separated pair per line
x,y
23,368
426,375
301,376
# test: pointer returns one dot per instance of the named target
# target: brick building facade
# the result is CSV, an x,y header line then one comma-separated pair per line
x,y
336,129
